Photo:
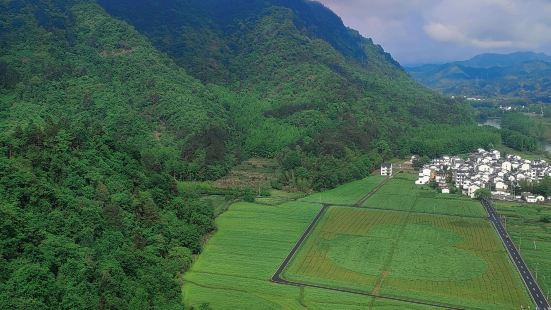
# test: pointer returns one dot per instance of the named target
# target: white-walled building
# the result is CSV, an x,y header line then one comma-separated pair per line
x,y
485,169
386,169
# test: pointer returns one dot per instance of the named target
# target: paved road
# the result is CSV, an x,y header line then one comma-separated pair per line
x,y
277,276
531,284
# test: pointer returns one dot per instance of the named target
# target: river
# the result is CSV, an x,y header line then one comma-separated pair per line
x,y
496,123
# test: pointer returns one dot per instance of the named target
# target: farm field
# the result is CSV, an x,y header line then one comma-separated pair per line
x,y
530,229
456,261
235,268
347,194
401,194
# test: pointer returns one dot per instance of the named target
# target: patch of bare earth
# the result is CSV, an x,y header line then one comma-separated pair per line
x,y
377,290
253,173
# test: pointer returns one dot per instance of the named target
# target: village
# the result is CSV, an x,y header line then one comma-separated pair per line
x,y
485,169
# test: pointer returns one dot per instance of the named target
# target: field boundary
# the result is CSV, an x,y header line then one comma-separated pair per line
x,y
424,213
362,200
276,278
277,275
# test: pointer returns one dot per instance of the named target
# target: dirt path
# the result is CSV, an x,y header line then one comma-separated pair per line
x,y
379,285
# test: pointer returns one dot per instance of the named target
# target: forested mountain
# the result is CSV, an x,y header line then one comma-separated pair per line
x,y
312,81
94,124
504,60
518,75
105,106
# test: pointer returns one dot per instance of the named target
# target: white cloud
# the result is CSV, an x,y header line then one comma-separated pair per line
x,y
445,33
442,30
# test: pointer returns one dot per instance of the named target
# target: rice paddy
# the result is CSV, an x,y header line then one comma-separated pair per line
x,y
347,194
401,194
406,242
452,261
235,268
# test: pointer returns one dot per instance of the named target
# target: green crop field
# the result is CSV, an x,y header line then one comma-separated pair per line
x,y
401,194
449,260
235,268
347,194
407,242
530,230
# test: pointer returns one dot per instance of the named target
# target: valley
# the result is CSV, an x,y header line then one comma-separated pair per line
x,y
366,250
169,155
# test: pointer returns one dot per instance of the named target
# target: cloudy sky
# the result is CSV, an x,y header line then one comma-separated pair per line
x,y
431,31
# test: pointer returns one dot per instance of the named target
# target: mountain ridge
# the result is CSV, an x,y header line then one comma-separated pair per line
x,y
521,75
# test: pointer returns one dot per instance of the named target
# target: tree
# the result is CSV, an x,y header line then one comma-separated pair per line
x,y
482,193
419,162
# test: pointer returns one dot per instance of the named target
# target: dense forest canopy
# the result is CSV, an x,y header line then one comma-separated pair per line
x,y
104,107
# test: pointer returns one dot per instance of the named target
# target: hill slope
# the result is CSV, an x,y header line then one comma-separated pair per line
x,y
94,123
100,117
517,75
311,81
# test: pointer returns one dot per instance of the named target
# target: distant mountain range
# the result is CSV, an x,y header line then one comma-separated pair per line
x,y
521,75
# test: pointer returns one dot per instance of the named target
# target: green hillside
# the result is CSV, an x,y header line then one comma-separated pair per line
x,y
337,101
94,123
102,114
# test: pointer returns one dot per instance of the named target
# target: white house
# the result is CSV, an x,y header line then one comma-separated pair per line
x,y
386,169
484,168
506,166
501,187
423,180
471,190
531,199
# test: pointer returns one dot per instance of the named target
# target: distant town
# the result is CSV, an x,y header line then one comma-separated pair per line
x,y
485,169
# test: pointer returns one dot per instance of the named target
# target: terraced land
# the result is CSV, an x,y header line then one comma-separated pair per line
x,y
447,260
235,268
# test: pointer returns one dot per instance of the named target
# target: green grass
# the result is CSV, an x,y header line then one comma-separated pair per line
x,y
234,269
525,225
278,197
524,155
401,194
218,203
347,194
455,261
